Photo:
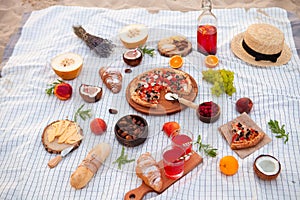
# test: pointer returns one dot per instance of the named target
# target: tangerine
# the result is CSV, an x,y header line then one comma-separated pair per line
x,y
176,61
229,165
211,61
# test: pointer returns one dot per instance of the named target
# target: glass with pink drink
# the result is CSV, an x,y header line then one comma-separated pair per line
x,y
173,161
183,138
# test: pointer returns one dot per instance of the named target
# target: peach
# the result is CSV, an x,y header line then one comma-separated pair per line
x,y
98,126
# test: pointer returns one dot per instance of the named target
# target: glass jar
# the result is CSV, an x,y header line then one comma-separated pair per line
x,y
207,30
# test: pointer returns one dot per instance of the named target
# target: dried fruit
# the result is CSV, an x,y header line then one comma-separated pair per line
x,y
127,71
131,130
244,105
229,165
170,127
112,111
98,126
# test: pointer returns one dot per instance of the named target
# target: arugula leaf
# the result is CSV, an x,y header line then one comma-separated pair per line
x,y
278,130
208,149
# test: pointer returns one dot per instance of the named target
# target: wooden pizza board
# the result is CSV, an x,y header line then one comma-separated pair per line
x,y
142,190
164,107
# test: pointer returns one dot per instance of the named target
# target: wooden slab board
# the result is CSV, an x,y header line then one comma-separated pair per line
x,y
174,45
164,107
55,147
143,189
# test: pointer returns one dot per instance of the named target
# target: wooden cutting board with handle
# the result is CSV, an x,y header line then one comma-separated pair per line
x,y
142,190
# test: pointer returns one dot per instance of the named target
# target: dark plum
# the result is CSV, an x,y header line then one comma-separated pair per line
x,y
244,104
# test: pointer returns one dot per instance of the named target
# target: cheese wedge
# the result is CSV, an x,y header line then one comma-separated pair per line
x,y
71,130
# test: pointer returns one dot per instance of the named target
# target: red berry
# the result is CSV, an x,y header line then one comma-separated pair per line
x,y
208,109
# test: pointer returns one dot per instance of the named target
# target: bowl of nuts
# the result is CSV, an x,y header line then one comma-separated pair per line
x,y
131,130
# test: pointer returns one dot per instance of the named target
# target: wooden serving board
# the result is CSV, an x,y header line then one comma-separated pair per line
x,y
142,190
55,147
164,107
179,46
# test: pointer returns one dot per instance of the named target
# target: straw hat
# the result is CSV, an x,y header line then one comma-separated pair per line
x,y
261,45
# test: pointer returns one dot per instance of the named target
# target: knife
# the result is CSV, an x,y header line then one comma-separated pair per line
x,y
54,161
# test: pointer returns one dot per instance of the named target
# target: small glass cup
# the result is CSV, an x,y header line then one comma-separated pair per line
x,y
183,138
173,161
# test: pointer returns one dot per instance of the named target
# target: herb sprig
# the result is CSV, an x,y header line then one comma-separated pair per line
x,y
123,159
50,90
83,114
208,149
146,50
278,130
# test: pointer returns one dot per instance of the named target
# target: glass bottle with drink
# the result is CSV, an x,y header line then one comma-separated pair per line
x,y
207,30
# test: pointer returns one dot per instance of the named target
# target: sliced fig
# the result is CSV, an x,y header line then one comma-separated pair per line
x,y
267,167
90,93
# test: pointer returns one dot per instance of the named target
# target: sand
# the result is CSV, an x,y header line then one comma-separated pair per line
x,y
11,11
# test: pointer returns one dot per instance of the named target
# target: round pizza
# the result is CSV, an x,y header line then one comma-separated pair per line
x,y
146,88
244,137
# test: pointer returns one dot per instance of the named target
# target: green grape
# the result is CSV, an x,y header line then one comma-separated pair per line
x,y
211,76
222,81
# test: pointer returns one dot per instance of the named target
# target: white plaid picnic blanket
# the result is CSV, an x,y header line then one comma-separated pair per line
x,y
26,109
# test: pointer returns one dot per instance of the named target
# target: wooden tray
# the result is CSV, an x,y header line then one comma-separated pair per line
x,y
54,147
142,190
164,107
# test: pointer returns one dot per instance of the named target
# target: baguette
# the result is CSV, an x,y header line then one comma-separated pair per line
x,y
147,169
89,166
